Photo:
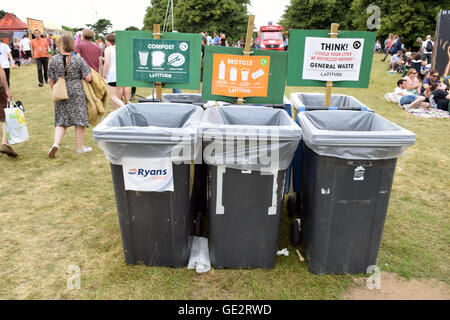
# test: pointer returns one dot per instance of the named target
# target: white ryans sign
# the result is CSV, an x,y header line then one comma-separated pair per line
x,y
148,174
330,59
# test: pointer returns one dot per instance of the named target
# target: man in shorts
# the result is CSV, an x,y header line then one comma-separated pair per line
x,y
4,96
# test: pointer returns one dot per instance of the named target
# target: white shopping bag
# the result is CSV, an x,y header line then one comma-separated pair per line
x,y
16,126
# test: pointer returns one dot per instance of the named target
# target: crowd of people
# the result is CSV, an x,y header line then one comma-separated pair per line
x,y
74,60
219,39
78,59
420,86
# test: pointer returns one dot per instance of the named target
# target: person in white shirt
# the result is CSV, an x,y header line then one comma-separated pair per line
x,y
25,45
209,40
427,45
402,96
396,61
109,73
6,59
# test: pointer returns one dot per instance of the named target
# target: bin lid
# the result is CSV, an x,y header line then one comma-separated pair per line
x,y
354,135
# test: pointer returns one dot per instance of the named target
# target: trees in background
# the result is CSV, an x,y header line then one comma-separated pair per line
x,y
409,19
193,16
100,27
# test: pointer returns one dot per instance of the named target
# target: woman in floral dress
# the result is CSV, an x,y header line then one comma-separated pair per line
x,y
72,111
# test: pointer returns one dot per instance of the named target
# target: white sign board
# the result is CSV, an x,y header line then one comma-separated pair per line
x,y
148,174
332,59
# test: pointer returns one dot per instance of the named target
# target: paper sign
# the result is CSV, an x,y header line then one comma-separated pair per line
x,y
161,60
154,175
240,76
329,59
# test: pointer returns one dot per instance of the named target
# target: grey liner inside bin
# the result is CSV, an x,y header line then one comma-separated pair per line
x,y
314,101
245,133
150,130
187,98
354,135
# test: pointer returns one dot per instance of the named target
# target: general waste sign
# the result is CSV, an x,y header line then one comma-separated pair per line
x,y
240,76
329,59
314,58
161,60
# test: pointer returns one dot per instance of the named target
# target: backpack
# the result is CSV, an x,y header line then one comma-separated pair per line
x,y
429,46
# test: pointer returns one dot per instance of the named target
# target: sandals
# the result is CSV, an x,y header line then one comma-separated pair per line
x,y
53,150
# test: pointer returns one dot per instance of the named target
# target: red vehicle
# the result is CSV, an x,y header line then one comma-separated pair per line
x,y
271,37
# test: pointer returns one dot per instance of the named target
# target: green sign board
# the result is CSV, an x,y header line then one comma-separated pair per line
x,y
229,74
174,60
314,58
161,60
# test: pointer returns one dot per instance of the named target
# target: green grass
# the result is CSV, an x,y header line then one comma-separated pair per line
x,y
61,212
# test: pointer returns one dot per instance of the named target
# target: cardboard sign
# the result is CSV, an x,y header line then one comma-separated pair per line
x,y
240,76
155,175
161,60
329,59
315,58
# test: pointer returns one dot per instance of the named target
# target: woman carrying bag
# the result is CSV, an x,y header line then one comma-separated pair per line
x,y
73,110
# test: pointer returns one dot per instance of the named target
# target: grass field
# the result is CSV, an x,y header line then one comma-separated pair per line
x,y
62,212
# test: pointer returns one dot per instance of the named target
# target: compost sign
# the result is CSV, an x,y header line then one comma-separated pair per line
x,y
330,59
240,76
161,60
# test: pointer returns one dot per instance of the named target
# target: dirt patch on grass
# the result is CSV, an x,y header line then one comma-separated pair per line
x,y
393,287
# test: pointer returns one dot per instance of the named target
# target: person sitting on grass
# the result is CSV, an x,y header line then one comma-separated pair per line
x,y
5,95
425,90
396,62
412,82
404,98
439,98
416,63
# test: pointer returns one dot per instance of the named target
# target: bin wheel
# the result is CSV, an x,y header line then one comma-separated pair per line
x,y
198,224
295,232
291,206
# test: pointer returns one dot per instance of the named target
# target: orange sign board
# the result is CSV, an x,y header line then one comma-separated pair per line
x,y
240,76
35,24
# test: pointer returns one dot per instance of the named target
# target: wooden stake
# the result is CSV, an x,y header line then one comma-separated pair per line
x,y
248,44
157,35
329,85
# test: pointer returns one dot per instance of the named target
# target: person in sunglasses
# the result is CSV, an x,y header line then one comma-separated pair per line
x,y
425,90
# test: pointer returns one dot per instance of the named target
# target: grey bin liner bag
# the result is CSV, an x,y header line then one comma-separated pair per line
x,y
150,130
186,98
317,100
354,135
253,133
